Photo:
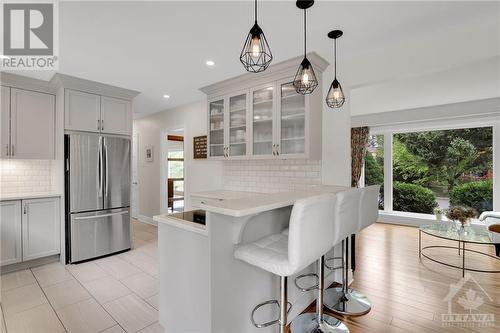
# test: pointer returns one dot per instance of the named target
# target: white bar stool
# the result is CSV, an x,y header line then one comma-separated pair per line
x,y
344,300
310,236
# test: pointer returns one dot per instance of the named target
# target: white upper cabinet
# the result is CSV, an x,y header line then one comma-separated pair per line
x,y
32,125
217,128
263,120
94,113
5,123
261,116
292,122
40,228
238,125
82,111
116,116
10,232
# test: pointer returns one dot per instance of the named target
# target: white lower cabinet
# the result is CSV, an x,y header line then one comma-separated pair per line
x,y
41,228
30,229
10,232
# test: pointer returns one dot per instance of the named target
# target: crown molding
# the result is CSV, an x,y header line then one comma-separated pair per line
x,y
59,81
26,83
277,71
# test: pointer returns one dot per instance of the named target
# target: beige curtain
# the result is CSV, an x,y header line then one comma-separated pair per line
x,y
359,140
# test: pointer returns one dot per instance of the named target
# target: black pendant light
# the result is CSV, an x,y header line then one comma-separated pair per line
x,y
335,97
305,80
256,54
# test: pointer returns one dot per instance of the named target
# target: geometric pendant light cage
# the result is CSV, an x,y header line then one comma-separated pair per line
x,y
335,97
305,80
256,54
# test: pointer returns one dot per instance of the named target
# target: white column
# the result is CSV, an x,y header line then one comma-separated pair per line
x,y
388,172
496,166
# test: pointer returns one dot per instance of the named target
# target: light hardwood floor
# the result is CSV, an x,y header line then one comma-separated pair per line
x,y
119,293
407,293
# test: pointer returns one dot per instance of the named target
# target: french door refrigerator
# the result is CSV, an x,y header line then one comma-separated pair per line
x,y
97,195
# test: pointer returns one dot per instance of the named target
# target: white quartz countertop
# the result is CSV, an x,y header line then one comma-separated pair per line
x,y
176,220
223,194
255,203
34,195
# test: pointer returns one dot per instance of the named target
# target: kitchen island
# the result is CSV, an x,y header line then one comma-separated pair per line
x,y
203,288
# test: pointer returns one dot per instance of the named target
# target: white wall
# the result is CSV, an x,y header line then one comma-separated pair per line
x,y
336,166
199,175
466,83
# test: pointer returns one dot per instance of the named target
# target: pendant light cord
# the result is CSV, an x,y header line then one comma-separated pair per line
x,y
255,11
335,58
305,32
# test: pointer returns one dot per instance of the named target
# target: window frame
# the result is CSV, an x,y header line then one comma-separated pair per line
x,y
388,215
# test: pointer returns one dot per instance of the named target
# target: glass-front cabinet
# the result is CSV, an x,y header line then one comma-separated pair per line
x,y
263,117
263,124
216,127
292,121
238,125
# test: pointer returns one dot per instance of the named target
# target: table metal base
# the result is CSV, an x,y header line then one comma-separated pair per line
x,y
461,251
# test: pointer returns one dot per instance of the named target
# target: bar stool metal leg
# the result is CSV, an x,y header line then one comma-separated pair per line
x,y
283,303
318,322
343,300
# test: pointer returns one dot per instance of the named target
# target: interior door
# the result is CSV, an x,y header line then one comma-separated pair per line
x,y
5,123
32,124
117,172
116,116
10,232
86,170
135,176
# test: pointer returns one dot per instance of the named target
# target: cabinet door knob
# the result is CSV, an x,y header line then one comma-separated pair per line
x,y
102,125
7,150
25,209
98,124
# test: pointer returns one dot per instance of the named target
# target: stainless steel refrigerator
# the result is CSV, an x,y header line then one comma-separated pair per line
x,y
97,195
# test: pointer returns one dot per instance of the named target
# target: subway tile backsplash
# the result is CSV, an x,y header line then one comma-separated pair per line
x,y
271,175
25,176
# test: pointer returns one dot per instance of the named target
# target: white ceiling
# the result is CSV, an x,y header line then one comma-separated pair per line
x,y
160,48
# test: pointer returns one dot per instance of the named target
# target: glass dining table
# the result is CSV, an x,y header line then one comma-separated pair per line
x,y
471,234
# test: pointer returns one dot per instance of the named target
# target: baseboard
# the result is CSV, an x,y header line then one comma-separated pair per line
x,y
147,219
29,264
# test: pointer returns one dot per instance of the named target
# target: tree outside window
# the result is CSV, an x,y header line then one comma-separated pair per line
x,y
438,169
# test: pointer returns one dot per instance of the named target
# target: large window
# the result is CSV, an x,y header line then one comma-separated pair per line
x,y
439,168
374,164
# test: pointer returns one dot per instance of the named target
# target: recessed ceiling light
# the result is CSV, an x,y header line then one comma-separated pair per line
x,y
166,96
210,63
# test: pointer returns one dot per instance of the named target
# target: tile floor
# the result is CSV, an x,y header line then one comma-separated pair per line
x,y
113,295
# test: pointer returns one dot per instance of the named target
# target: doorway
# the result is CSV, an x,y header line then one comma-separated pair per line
x,y
172,171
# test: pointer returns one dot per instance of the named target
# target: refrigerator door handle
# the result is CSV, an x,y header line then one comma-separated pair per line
x,y
106,166
99,216
100,167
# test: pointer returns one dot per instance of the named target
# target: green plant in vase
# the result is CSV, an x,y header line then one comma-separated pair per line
x,y
461,214
438,212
